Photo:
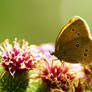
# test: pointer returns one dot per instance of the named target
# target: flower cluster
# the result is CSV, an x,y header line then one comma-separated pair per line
x,y
56,75
59,77
15,57
88,74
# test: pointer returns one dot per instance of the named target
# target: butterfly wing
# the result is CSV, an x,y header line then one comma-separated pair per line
x,y
73,40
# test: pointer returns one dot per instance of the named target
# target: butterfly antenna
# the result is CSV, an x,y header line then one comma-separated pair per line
x,y
63,63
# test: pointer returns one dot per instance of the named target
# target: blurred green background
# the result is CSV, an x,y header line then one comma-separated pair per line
x,y
39,21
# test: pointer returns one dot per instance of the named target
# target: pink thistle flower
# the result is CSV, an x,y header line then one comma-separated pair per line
x,y
78,70
88,74
15,57
56,75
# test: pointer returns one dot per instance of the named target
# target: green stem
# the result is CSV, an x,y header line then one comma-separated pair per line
x,y
18,83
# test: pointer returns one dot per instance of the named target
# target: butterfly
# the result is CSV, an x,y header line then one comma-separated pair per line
x,y
73,43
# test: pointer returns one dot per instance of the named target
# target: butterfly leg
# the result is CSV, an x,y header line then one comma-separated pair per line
x,y
63,63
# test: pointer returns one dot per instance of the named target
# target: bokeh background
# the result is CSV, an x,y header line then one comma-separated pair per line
x,y
39,21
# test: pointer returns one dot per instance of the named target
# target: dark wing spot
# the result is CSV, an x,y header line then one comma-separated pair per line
x,y
73,29
78,34
86,50
77,45
85,54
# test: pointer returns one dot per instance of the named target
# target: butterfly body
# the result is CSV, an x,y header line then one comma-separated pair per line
x,y
73,43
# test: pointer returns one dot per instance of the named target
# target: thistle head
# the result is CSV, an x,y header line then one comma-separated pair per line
x,y
56,75
16,58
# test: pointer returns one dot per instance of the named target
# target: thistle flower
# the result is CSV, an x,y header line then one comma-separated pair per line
x,y
81,86
88,74
56,75
56,90
79,70
15,57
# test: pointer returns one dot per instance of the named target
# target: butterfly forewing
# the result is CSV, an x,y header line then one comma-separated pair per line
x,y
73,40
